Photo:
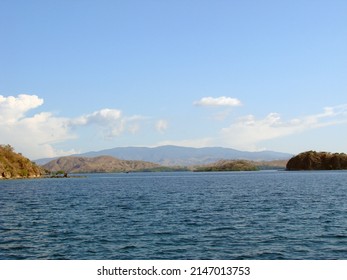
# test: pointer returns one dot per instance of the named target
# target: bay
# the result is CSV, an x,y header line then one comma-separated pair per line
x,y
177,215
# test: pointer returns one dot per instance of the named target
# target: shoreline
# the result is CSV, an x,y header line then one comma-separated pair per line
x,y
44,177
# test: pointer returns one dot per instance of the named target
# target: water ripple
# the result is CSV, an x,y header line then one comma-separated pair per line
x,y
240,215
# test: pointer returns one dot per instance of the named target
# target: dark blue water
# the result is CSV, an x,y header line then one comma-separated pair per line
x,y
237,215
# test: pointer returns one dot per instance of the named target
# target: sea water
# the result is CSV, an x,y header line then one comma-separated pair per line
x,y
178,215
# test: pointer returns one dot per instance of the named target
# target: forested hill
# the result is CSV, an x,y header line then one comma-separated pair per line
x,y
229,165
14,165
313,160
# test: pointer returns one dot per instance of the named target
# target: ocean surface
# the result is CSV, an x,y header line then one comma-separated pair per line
x,y
230,215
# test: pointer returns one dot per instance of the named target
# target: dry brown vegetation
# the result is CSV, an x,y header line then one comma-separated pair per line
x,y
14,165
97,164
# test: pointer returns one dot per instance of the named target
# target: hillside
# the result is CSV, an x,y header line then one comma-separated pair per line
x,y
13,165
313,160
100,164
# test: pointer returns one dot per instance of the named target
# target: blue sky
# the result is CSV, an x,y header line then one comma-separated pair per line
x,y
81,75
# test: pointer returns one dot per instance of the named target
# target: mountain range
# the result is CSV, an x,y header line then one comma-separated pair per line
x,y
181,156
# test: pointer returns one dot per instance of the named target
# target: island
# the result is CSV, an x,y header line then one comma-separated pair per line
x,y
228,165
100,164
312,160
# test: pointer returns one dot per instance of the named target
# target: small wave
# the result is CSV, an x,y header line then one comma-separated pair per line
x,y
269,256
12,257
333,236
218,229
163,233
128,247
18,248
3,229
9,241
10,247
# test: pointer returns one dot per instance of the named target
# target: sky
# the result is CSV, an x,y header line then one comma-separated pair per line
x,y
79,75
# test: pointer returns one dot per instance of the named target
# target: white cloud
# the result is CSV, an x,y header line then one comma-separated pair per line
x,y
111,122
13,108
248,132
218,101
101,117
35,136
161,126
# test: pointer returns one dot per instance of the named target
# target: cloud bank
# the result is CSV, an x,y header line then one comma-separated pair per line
x,y
33,135
248,132
36,136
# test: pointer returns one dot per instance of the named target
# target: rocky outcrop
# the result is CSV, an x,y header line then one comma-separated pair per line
x,y
99,164
13,165
313,160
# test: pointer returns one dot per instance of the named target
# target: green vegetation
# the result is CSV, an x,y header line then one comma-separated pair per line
x,y
165,169
58,174
312,160
14,165
228,165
